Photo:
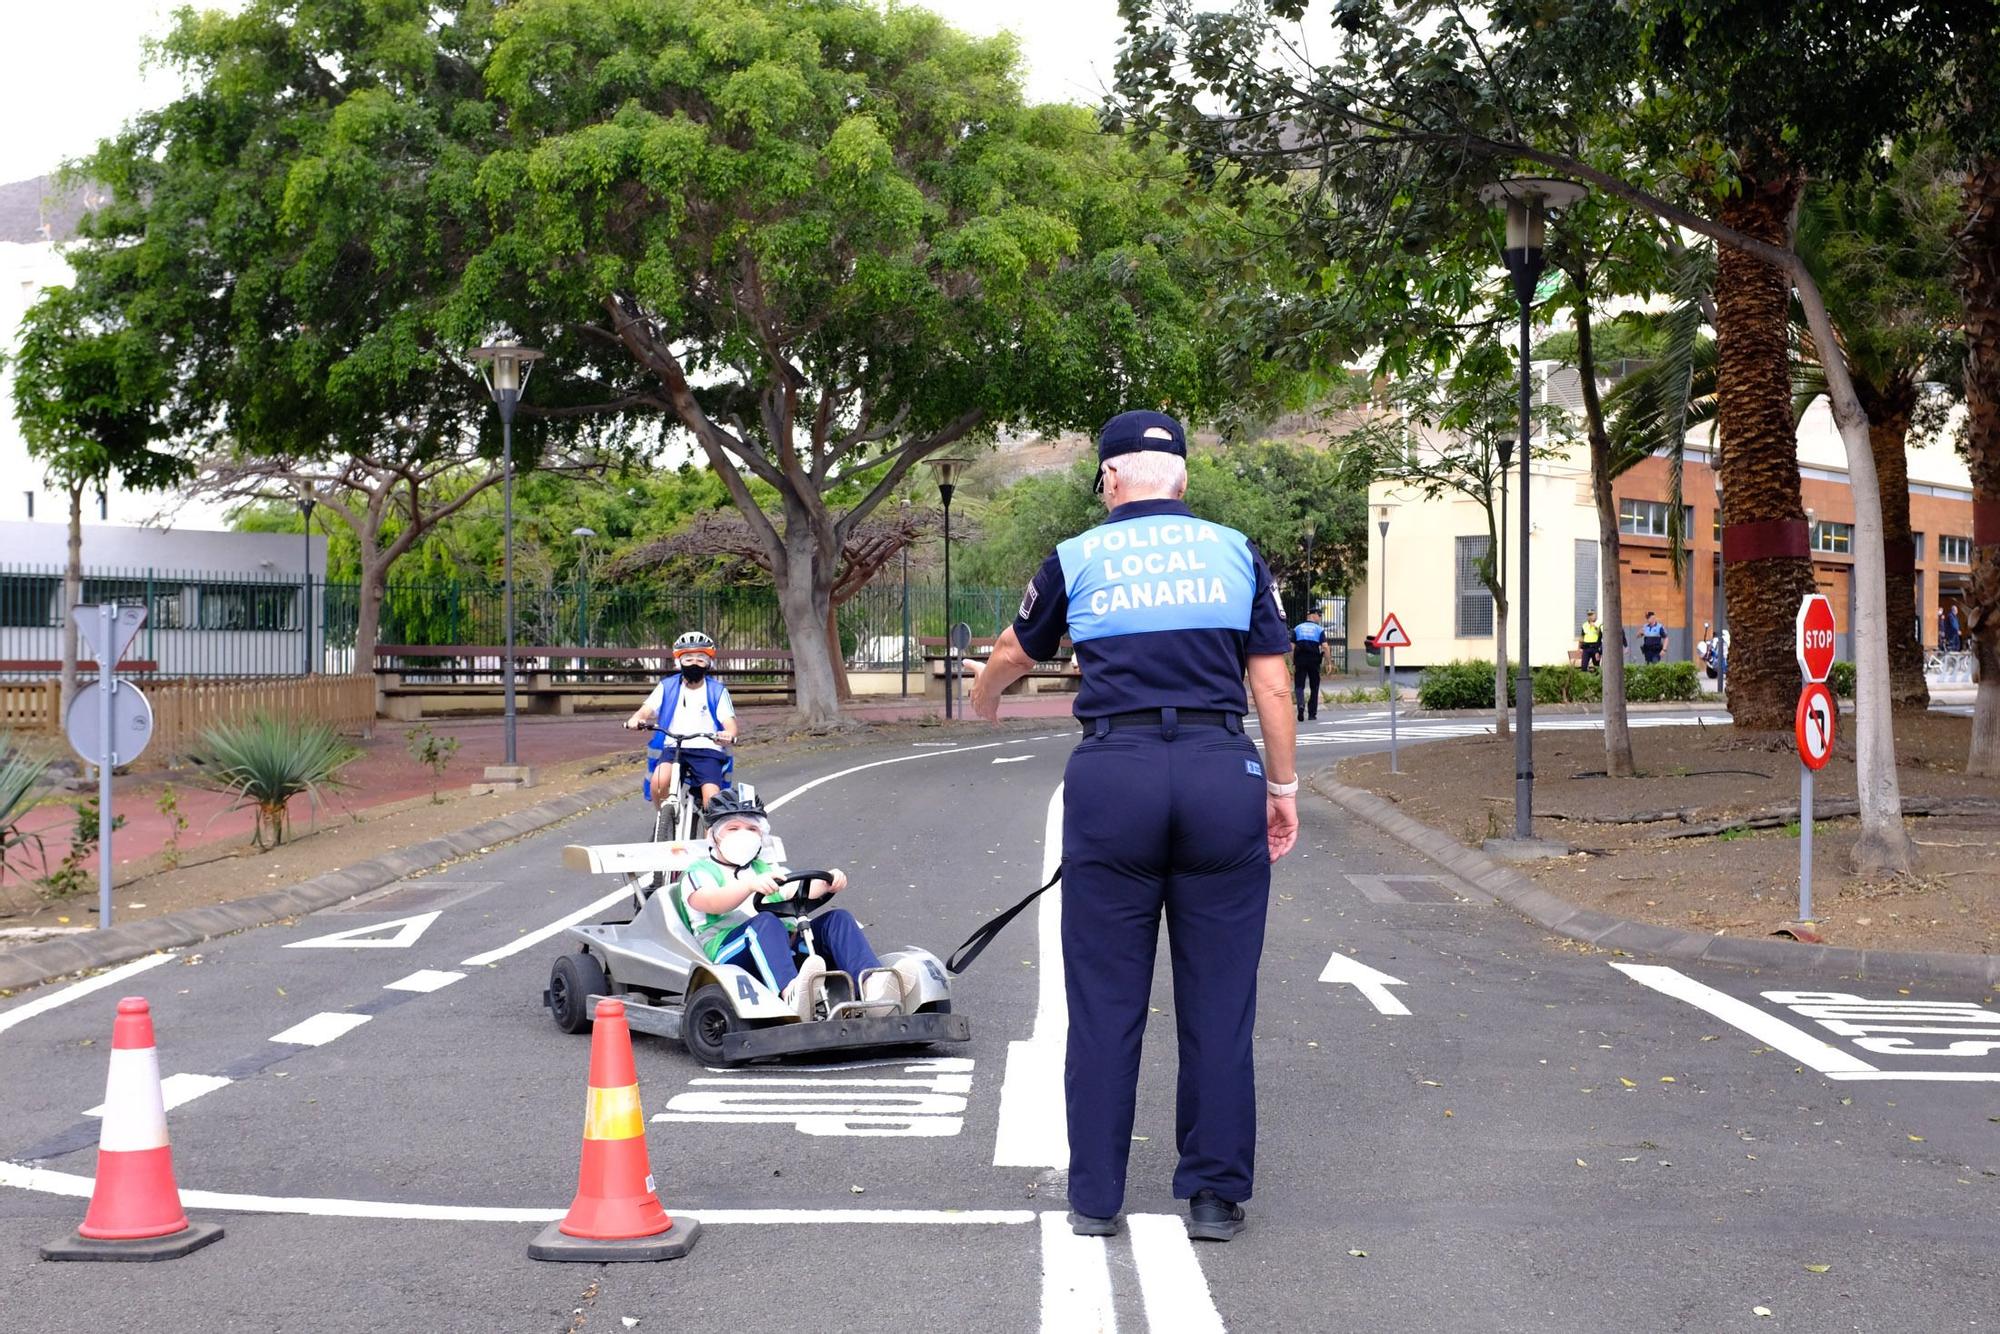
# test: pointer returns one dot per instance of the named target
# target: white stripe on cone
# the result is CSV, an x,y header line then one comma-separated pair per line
x,y
135,1114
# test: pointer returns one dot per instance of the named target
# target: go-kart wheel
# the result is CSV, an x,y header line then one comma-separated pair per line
x,y
709,1018
572,982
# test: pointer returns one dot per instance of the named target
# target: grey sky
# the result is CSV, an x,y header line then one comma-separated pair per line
x,y
70,70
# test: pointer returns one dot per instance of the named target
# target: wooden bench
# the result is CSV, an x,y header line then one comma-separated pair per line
x,y
1058,674
414,680
84,666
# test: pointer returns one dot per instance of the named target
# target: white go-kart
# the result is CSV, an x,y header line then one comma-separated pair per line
x,y
725,1014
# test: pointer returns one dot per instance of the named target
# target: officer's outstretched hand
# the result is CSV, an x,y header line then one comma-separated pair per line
x,y
1281,818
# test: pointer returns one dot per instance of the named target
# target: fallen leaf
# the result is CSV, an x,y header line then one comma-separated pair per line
x,y
63,920
1817,1269
1916,1139
1760,1310
1666,1079
1430,1083
1627,1083
1581,1163
1628,1160
629,1321
1711,1037
1359,1255
281,991
1447,1111
855,1189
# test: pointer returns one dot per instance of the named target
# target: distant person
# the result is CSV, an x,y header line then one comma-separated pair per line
x,y
1954,634
1308,658
1652,638
1591,641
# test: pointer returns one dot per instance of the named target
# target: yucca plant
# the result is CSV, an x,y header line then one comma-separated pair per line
x,y
22,773
268,761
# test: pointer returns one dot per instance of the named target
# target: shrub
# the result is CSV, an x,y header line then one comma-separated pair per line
x,y
1567,684
433,752
69,876
1457,685
22,772
267,761
1655,682
1841,680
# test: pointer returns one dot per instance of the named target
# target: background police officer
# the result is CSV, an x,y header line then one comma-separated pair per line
x,y
1167,807
1308,654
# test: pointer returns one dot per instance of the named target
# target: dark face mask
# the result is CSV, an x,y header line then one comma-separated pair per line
x,y
693,672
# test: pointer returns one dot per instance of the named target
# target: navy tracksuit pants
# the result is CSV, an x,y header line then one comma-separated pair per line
x,y
1162,819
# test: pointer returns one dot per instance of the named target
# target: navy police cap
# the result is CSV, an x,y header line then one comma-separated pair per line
x,y
1131,432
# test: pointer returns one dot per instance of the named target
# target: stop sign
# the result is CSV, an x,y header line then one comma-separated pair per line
x,y
1815,636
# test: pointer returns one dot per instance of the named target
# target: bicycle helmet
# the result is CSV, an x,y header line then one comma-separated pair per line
x,y
731,804
694,642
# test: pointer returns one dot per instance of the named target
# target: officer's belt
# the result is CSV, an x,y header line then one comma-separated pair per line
x,y
1166,720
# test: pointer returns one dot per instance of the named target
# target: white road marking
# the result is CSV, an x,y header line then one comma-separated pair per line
x,y
424,979
1171,1284
1076,1281
1975,1029
534,938
866,1107
78,990
1343,969
1011,759
804,788
1936,1076
406,930
1034,1126
321,1029
1766,1028
178,1089
49,1182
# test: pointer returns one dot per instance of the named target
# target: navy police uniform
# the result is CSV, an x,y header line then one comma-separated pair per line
x,y
1308,648
1164,810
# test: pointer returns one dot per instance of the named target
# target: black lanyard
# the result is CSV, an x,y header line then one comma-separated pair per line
x,y
962,957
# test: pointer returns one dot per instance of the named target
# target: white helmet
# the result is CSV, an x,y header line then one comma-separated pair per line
x,y
694,642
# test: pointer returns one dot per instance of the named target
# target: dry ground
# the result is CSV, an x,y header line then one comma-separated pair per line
x,y
1641,852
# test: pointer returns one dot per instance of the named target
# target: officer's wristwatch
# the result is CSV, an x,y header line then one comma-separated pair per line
x,y
1282,789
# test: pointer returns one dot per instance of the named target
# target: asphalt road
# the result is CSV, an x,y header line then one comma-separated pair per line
x,y
1551,1138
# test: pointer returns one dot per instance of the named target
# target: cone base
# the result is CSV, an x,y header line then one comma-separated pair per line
x,y
173,1246
555,1244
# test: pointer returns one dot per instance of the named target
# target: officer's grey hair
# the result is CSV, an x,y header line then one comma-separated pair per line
x,y
1150,474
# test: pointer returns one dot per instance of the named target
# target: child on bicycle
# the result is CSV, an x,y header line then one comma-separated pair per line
x,y
715,899
698,708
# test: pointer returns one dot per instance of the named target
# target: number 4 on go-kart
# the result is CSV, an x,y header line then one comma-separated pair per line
x,y
738,956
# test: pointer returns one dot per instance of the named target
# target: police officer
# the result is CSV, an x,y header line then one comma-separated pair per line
x,y
1308,652
1167,806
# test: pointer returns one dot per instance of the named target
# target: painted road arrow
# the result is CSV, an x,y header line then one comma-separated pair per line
x,y
397,935
1341,969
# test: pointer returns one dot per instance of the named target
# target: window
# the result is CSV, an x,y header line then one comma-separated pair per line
x,y
1475,601
1585,586
1718,525
28,599
1642,518
249,607
1835,538
164,599
1954,550
1917,544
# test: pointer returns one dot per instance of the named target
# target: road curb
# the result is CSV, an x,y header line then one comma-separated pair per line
x,y
47,960
1564,918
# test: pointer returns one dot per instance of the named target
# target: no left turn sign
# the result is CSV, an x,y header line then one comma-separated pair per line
x,y
1814,725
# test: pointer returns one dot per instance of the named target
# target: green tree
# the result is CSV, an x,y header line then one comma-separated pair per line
x,y
87,393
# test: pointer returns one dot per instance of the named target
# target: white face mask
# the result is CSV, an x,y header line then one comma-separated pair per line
x,y
739,847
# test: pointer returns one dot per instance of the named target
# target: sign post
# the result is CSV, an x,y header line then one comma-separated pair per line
x,y
1389,638
109,722
1813,725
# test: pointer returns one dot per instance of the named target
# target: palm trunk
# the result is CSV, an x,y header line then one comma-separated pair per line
x,y
1979,281
1611,593
72,594
1767,566
1888,436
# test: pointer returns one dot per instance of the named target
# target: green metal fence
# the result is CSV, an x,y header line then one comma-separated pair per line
x,y
232,624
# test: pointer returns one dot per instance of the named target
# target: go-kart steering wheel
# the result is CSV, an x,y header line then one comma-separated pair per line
x,y
796,904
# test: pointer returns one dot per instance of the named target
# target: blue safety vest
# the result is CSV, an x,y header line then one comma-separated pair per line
x,y
656,746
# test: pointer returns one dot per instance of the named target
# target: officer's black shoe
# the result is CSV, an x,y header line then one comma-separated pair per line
x,y
1212,1218
1302,715
1083,1225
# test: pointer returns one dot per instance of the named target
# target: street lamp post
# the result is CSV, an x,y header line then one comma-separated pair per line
x,y
1528,200
1311,528
505,365
306,506
904,504
948,471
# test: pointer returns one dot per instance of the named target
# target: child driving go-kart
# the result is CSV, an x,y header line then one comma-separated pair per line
x,y
718,898
695,714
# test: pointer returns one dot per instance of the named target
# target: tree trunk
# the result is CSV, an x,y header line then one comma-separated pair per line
x,y
1767,562
368,612
72,594
805,598
1500,683
842,688
1888,436
1979,281
1611,590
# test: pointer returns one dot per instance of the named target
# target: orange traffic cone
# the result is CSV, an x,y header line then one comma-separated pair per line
x,y
135,1209
616,1214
